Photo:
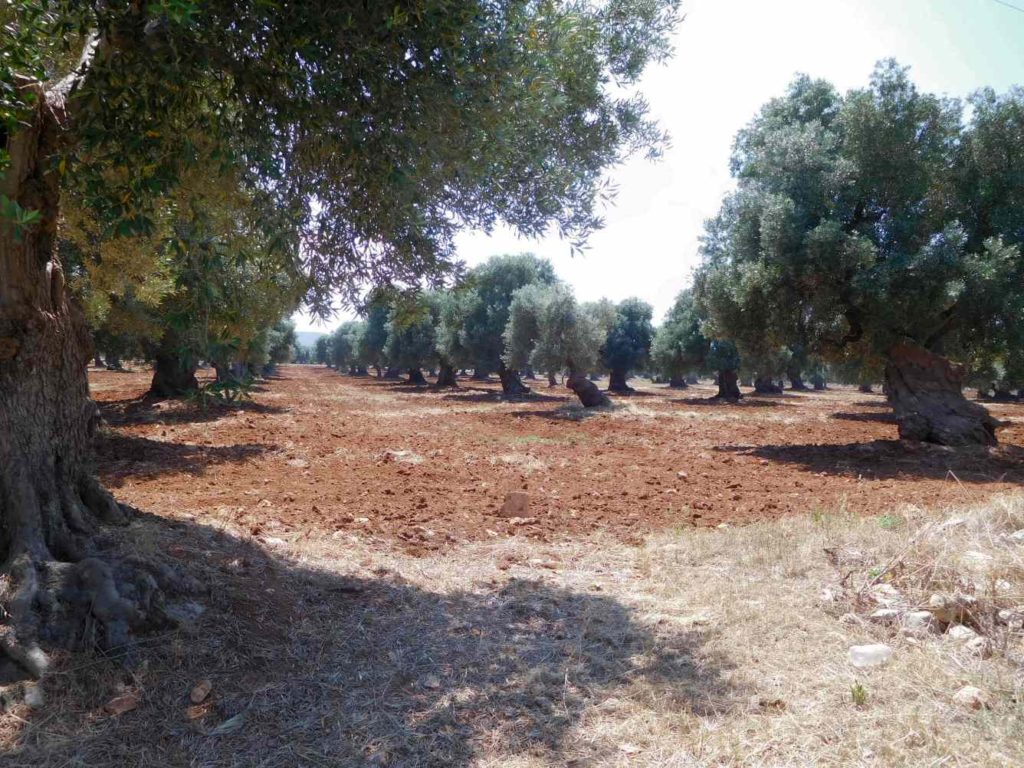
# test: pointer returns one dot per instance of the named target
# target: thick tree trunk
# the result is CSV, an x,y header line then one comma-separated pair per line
x,y
867,389
617,381
764,385
511,384
925,391
53,589
528,374
392,373
677,382
446,376
552,380
172,376
114,362
795,381
96,360
818,382
479,374
416,377
728,389
588,392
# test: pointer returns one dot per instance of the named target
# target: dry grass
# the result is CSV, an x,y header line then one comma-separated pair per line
x,y
720,647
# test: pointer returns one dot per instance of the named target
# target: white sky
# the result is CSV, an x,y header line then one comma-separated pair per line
x,y
731,57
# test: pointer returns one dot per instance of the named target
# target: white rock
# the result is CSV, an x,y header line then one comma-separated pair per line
x,y
952,522
971,697
34,698
863,656
1014,619
919,623
960,633
886,595
1017,536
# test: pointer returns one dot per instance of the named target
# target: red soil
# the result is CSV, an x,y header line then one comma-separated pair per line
x,y
315,451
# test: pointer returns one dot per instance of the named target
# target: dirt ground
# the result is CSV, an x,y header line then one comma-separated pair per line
x,y
358,602
315,451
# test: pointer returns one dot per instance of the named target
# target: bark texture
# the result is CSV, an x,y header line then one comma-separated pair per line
x,y
511,384
728,389
174,376
54,590
446,376
926,393
588,392
617,381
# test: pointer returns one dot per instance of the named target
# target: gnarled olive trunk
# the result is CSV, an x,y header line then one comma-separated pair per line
x,y
677,382
392,373
511,384
480,374
552,381
528,374
173,375
588,392
818,382
446,376
867,389
764,385
416,377
795,380
728,389
53,590
617,380
926,393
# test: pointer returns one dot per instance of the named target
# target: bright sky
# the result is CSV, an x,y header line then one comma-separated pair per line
x,y
731,57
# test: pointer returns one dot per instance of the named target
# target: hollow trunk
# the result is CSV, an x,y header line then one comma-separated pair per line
x,y
511,384
677,382
617,381
865,388
552,381
926,393
416,377
52,589
446,376
588,392
728,389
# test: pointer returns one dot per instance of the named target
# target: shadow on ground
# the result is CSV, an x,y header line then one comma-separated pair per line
x,y
891,459
121,456
748,401
148,410
314,668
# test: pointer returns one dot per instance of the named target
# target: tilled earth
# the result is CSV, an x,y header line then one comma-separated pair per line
x,y
316,453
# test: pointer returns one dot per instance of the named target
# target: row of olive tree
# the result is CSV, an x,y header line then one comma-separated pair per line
x,y
511,316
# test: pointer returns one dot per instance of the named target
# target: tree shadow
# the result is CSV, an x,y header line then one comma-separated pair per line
x,y
123,456
147,410
885,417
463,395
881,402
746,402
892,459
312,667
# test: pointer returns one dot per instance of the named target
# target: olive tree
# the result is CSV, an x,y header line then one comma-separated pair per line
x,y
679,347
849,221
490,289
548,330
627,343
372,132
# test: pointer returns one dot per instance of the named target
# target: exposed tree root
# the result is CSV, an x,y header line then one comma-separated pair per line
x,y
58,592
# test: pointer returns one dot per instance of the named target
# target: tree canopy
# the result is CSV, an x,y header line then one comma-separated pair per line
x,y
849,228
